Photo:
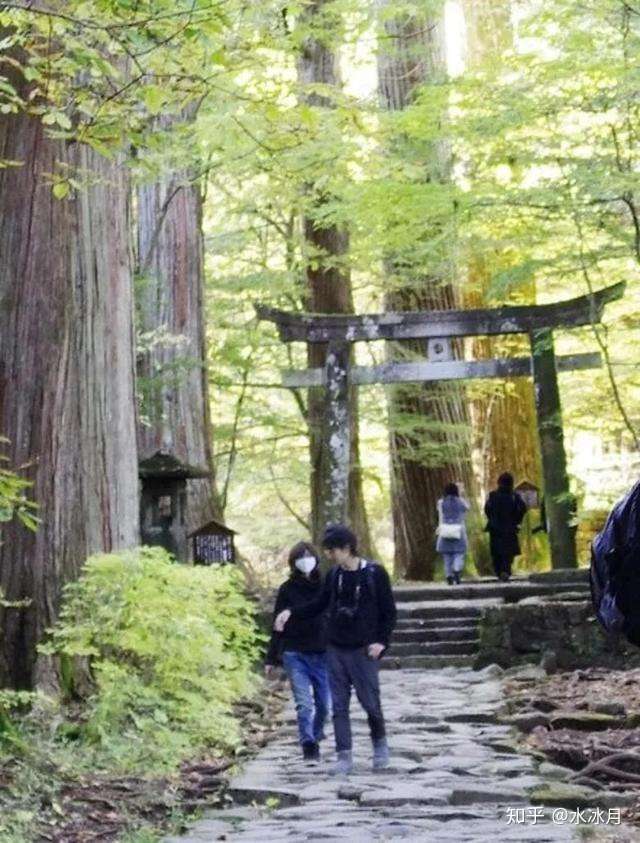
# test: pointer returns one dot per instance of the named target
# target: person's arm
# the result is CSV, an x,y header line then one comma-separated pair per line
x,y
308,610
521,509
465,504
386,607
488,507
273,652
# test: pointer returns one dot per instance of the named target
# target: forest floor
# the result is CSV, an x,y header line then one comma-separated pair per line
x,y
69,804
586,721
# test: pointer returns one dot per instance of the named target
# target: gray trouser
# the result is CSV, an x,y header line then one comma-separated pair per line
x,y
347,669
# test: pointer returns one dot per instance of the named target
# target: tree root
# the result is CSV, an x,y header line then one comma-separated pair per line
x,y
606,766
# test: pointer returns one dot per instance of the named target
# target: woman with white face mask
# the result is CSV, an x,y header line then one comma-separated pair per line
x,y
301,649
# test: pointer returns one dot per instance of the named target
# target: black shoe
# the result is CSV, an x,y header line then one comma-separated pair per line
x,y
310,751
456,578
450,580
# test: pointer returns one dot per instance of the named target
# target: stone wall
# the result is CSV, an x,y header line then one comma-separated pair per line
x,y
562,634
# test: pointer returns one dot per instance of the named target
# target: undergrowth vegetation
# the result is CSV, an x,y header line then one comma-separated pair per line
x,y
153,656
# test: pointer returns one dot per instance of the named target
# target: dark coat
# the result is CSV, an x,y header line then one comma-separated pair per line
x,y
300,636
505,511
374,612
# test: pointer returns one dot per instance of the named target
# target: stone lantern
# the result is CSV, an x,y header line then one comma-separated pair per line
x,y
163,505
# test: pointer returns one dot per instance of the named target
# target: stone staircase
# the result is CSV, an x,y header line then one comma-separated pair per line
x,y
438,624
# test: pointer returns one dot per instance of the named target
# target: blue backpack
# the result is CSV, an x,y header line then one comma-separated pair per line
x,y
615,568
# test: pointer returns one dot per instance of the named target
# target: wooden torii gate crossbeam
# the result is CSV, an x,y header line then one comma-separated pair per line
x,y
438,328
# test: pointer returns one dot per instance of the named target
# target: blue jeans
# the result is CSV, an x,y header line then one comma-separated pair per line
x,y
307,673
453,563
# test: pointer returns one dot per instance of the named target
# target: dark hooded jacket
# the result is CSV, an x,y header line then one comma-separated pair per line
x,y
302,636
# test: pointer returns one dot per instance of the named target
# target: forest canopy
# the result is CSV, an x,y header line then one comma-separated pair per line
x,y
505,170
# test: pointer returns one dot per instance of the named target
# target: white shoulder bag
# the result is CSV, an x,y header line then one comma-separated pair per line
x,y
452,532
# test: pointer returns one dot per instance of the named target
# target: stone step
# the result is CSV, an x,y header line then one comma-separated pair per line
x,y
509,592
563,575
425,662
436,623
437,634
434,648
450,609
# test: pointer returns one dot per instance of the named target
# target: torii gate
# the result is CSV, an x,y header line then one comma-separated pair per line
x,y
438,328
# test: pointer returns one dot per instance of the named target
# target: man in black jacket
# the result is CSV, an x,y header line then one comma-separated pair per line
x,y
362,614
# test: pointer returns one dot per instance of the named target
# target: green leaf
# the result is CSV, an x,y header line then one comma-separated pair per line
x,y
154,98
61,189
62,120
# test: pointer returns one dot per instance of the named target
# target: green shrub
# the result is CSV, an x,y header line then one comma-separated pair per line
x,y
13,500
170,649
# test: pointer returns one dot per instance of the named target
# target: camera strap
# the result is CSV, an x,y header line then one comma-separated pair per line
x,y
358,588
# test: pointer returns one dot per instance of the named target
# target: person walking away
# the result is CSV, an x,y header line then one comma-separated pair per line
x,y
301,649
505,511
362,615
451,533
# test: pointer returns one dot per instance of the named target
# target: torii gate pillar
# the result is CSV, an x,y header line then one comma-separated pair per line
x,y
337,435
558,501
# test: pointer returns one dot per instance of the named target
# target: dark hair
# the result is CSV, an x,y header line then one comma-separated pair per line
x,y
452,489
337,535
505,481
297,552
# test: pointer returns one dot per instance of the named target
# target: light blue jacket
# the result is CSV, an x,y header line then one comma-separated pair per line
x,y
454,511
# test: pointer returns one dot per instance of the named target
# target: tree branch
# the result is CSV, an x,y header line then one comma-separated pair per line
x,y
603,345
234,432
305,524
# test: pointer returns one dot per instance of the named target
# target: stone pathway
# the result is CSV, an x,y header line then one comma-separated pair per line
x,y
455,776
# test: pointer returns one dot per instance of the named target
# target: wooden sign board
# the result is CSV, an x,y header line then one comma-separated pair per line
x,y
212,549
213,544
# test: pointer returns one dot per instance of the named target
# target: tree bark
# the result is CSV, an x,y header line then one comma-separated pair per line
x,y
170,304
430,429
67,378
328,291
504,420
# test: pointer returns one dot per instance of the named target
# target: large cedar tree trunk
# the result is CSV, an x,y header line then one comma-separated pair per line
x,y
328,291
434,416
170,304
504,419
66,378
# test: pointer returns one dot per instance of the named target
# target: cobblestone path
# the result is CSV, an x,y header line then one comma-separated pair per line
x,y
455,776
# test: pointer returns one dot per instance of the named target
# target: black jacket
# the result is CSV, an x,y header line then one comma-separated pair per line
x,y
505,511
300,636
370,616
